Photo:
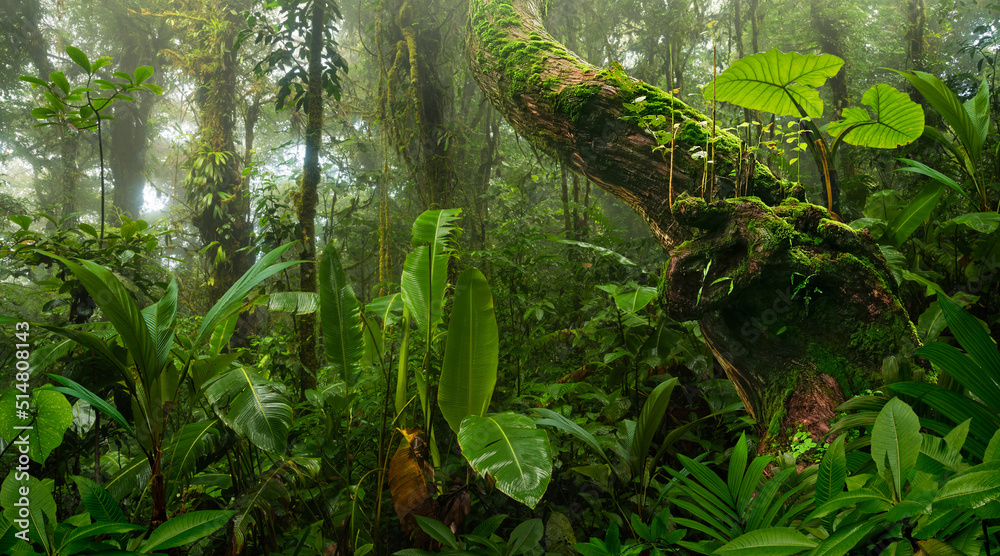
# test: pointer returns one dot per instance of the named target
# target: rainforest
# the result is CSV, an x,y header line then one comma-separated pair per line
x,y
499,277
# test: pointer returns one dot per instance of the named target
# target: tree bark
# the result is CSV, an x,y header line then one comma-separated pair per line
x,y
916,20
410,54
839,317
309,197
827,24
130,130
215,184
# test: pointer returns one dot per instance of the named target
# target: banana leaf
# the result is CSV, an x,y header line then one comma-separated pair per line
x,y
469,369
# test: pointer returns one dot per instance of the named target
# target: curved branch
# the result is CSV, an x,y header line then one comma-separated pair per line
x,y
600,122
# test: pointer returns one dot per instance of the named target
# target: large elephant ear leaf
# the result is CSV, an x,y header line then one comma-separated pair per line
x,y
898,120
510,448
777,82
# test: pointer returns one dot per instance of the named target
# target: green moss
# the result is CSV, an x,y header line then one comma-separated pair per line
x,y
850,378
693,132
774,426
521,61
571,100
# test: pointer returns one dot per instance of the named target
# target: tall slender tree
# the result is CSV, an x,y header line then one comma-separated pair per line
x,y
304,83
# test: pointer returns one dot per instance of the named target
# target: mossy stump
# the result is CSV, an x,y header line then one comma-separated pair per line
x,y
799,310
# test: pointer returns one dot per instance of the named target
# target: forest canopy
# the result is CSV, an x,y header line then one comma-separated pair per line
x,y
505,277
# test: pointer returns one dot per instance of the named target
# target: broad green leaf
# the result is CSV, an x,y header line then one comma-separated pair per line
x,y
52,416
78,57
956,438
300,303
971,489
438,531
422,286
118,306
469,368
898,120
525,537
770,541
38,501
846,538
143,73
425,269
512,450
993,449
185,529
907,222
160,321
935,547
896,441
98,501
737,468
255,408
832,476
931,323
59,79
133,477
434,228
937,457
95,529
633,301
33,80
854,497
399,403
776,82
340,315
982,222
42,113
221,335
189,443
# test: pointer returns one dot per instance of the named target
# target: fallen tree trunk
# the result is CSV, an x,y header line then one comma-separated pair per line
x,y
791,363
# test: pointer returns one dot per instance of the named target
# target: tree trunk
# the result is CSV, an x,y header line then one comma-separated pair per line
x,y
215,184
69,146
826,22
130,131
410,40
799,310
309,197
916,21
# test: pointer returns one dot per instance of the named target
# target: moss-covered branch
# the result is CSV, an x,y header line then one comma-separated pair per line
x,y
598,121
